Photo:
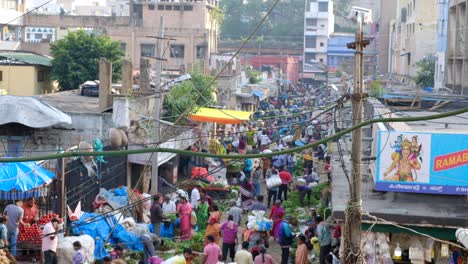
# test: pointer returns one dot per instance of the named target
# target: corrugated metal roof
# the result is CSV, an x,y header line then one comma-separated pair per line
x,y
27,58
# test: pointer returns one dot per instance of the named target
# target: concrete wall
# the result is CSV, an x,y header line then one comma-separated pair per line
x,y
23,80
388,13
414,38
39,20
84,127
457,48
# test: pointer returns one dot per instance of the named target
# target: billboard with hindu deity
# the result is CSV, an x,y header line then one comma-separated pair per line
x,y
422,162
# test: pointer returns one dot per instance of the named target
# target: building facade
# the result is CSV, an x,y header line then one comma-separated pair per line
x,y
457,48
413,35
25,74
439,78
387,14
191,25
338,52
318,25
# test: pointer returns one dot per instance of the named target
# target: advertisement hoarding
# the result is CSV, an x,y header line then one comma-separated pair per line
x,y
422,162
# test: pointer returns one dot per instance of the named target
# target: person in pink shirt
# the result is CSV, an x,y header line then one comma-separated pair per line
x,y
211,252
263,258
229,233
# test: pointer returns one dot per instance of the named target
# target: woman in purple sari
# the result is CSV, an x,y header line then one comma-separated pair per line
x,y
277,213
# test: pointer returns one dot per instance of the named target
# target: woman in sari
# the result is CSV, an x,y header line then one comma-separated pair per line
x,y
277,213
202,214
184,209
213,229
246,190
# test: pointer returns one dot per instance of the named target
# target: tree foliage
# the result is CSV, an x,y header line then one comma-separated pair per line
x,y
286,19
76,58
426,72
376,89
187,96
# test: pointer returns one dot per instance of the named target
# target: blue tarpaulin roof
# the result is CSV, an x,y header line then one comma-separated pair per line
x,y
23,176
259,94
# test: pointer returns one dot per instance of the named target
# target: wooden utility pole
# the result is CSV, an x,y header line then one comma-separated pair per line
x,y
352,230
157,108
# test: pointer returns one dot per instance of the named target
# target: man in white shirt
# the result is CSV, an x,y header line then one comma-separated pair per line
x,y
168,207
195,196
50,241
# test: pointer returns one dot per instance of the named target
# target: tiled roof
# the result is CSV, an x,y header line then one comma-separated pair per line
x,y
27,58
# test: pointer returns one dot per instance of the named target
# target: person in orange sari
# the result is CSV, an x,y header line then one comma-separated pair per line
x,y
213,228
184,209
277,213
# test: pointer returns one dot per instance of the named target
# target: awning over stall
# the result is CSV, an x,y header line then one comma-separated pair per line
x,y
220,116
23,176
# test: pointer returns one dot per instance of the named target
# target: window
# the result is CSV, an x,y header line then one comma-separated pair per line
x,y
311,22
414,5
168,7
40,76
1,76
323,7
123,46
38,36
309,57
188,8
404,13
150,7
147,50
310,42
321,44
177,7
160,7
321,60
177,51
200,52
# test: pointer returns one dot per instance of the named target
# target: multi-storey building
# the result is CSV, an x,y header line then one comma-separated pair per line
x,y
10,19
387,14
191,27
439,78
457,50
318,25
413,35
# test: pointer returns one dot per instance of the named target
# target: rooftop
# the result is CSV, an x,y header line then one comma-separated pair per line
x,y
71,101
25,58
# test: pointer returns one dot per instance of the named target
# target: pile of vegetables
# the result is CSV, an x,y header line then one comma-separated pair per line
x,y
133,257
196,243
291,205
47,218
171,217
32,234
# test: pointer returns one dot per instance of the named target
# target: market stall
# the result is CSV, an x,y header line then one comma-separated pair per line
x,y
28,181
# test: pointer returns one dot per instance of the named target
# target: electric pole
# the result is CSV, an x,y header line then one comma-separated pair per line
x,y
352,230
157,108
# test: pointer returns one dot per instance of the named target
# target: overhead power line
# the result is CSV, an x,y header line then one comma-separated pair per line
x,y
226,156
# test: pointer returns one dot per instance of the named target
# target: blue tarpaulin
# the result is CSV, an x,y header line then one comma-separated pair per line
x,y
23,176
259,94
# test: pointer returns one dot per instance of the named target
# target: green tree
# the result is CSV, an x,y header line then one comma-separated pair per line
x,y
376,89
426,71
76,58
286,19
187,96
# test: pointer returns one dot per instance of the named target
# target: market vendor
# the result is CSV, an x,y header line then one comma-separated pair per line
x,y
31,213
